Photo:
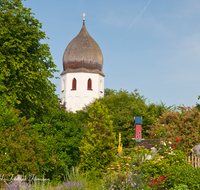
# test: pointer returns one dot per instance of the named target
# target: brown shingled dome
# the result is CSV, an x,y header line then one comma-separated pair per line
x,y
83,52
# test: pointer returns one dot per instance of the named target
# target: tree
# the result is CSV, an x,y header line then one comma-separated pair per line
x,y
183,124
61,133
197,104
99,146
20,150
25,64
123,106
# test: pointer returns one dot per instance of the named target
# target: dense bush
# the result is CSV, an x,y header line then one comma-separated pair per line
x,y
183,124
183,174
20,149
61,134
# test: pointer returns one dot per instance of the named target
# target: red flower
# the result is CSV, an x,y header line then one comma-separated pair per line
x,y
174,149
177,140
173,145
187,152
154,180
162,178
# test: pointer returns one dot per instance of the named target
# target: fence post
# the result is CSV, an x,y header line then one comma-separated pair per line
x,y
192,160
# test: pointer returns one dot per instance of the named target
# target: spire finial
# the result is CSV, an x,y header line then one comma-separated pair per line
x,y
84,17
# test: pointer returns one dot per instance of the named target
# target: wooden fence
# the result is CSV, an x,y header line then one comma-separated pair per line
x,y
194,160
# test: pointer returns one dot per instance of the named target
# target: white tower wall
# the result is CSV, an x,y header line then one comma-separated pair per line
x,y
77,99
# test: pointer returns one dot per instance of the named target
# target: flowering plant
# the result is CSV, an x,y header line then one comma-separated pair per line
x,y
129,155
157,183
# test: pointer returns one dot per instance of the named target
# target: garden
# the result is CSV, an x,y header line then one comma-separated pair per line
x,y
168,169
105,164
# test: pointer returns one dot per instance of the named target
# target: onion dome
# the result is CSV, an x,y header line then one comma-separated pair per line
x,y
83,52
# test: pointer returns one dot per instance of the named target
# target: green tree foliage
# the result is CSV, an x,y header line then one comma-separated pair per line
x,y
61,133
184,124
99,146
25,64
20,150
123,106
197,104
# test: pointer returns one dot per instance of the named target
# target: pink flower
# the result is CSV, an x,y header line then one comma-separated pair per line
x,y
166,152
112,168
177,140
118,165
129,158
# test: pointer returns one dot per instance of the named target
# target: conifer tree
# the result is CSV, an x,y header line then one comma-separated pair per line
x,y
99,146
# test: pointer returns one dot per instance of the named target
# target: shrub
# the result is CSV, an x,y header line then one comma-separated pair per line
x,y
186,175
129,155
159,166
61,134
185,125
180,187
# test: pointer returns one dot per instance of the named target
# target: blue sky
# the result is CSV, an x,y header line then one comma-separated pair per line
x,y
151,45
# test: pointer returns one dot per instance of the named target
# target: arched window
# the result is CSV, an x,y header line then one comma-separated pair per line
x,y
74,84
89,85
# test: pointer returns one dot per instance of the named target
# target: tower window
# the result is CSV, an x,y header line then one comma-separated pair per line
x,y
89,86
74,84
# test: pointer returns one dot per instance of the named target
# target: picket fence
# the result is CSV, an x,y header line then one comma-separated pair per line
x,y
194,160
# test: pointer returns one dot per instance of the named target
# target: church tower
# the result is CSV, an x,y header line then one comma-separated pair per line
x,y
82,79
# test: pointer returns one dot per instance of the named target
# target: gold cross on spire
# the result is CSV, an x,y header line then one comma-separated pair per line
x,y
84,15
